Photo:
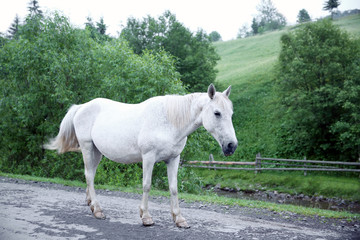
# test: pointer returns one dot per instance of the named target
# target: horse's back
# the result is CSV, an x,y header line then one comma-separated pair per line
x,y
113,127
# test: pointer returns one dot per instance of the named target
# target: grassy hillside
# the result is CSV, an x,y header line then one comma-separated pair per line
x,y
248,65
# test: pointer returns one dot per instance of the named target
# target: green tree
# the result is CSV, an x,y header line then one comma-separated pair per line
x,y
34,9
269,18
214,36
330,5
319,82
255,26
303,16
195,55
43,73
101,27
3,39
97,32
14,28
243,32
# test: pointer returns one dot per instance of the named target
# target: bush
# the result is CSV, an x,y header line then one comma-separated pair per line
x,y
44,72
319,86
196,57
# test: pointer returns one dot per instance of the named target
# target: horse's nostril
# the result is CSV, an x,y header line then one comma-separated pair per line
x,y
230,145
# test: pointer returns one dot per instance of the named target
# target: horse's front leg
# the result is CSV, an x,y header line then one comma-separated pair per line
x,y
148,165
172,170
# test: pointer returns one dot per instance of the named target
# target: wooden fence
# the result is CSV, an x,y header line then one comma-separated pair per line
x,y
278,165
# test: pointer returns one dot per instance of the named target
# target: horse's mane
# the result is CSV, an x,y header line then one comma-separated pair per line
x,y
178,109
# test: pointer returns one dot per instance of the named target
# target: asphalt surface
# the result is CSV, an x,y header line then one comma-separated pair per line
x,y
36,210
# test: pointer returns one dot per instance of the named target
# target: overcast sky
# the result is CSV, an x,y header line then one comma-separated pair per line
x,y
223,16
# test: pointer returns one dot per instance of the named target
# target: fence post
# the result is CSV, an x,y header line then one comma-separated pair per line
x,y
305,172
257,163
211,159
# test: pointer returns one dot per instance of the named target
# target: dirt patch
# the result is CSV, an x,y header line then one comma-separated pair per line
x,y
36,210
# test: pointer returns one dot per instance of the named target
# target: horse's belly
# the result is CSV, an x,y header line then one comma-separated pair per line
x,y
129,158
118,152
116,138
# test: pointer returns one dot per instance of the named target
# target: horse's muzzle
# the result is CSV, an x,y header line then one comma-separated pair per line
x,y
229,149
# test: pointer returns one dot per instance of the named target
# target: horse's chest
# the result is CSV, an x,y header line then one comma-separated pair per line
x,y
172,150
163,145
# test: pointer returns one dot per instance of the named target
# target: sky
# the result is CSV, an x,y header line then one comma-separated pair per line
x,y
224,16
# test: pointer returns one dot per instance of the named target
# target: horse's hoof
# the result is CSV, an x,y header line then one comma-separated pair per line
x,y
182,224
99,215
147,222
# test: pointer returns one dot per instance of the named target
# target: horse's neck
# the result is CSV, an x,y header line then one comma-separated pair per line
x,y
184,112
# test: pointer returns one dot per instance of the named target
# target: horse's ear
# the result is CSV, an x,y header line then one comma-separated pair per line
x,y
227,91
211,91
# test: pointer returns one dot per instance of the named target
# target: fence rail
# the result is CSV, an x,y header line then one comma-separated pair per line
x,y
300,165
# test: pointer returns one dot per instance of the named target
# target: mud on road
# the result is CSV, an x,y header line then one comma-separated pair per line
x,y
36,210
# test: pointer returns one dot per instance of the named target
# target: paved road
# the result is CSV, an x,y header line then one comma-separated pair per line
x,y
32,210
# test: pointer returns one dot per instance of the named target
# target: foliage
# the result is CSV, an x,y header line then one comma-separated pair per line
x,y
268,18
254,26
330,5
101,27
303,16
214,36
196,57
34,9
244,32
97,33
319,85
53,65
14,28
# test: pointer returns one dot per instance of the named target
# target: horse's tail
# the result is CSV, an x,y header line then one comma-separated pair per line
x,y
66,140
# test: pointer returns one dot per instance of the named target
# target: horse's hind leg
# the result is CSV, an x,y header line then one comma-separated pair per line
x,y
148,165
92,157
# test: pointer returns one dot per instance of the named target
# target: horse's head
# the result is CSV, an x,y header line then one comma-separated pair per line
x,y
217,119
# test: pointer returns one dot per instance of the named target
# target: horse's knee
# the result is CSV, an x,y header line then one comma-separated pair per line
x,y
173,190
146,187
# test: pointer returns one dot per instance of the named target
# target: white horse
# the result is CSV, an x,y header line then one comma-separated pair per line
x,y
152,131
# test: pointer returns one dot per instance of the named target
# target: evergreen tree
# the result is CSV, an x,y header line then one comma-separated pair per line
x,y
255,26
14,28
101,27
34,9
330,5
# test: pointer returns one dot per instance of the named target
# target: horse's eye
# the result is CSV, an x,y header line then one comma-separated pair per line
x,y
217,114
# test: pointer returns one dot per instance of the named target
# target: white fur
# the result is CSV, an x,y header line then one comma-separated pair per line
x,y
151,131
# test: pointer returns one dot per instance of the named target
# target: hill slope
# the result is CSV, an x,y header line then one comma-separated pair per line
x,y
248,65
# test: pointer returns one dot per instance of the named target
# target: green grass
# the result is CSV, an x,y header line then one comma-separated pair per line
x,y
350,24
205,198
